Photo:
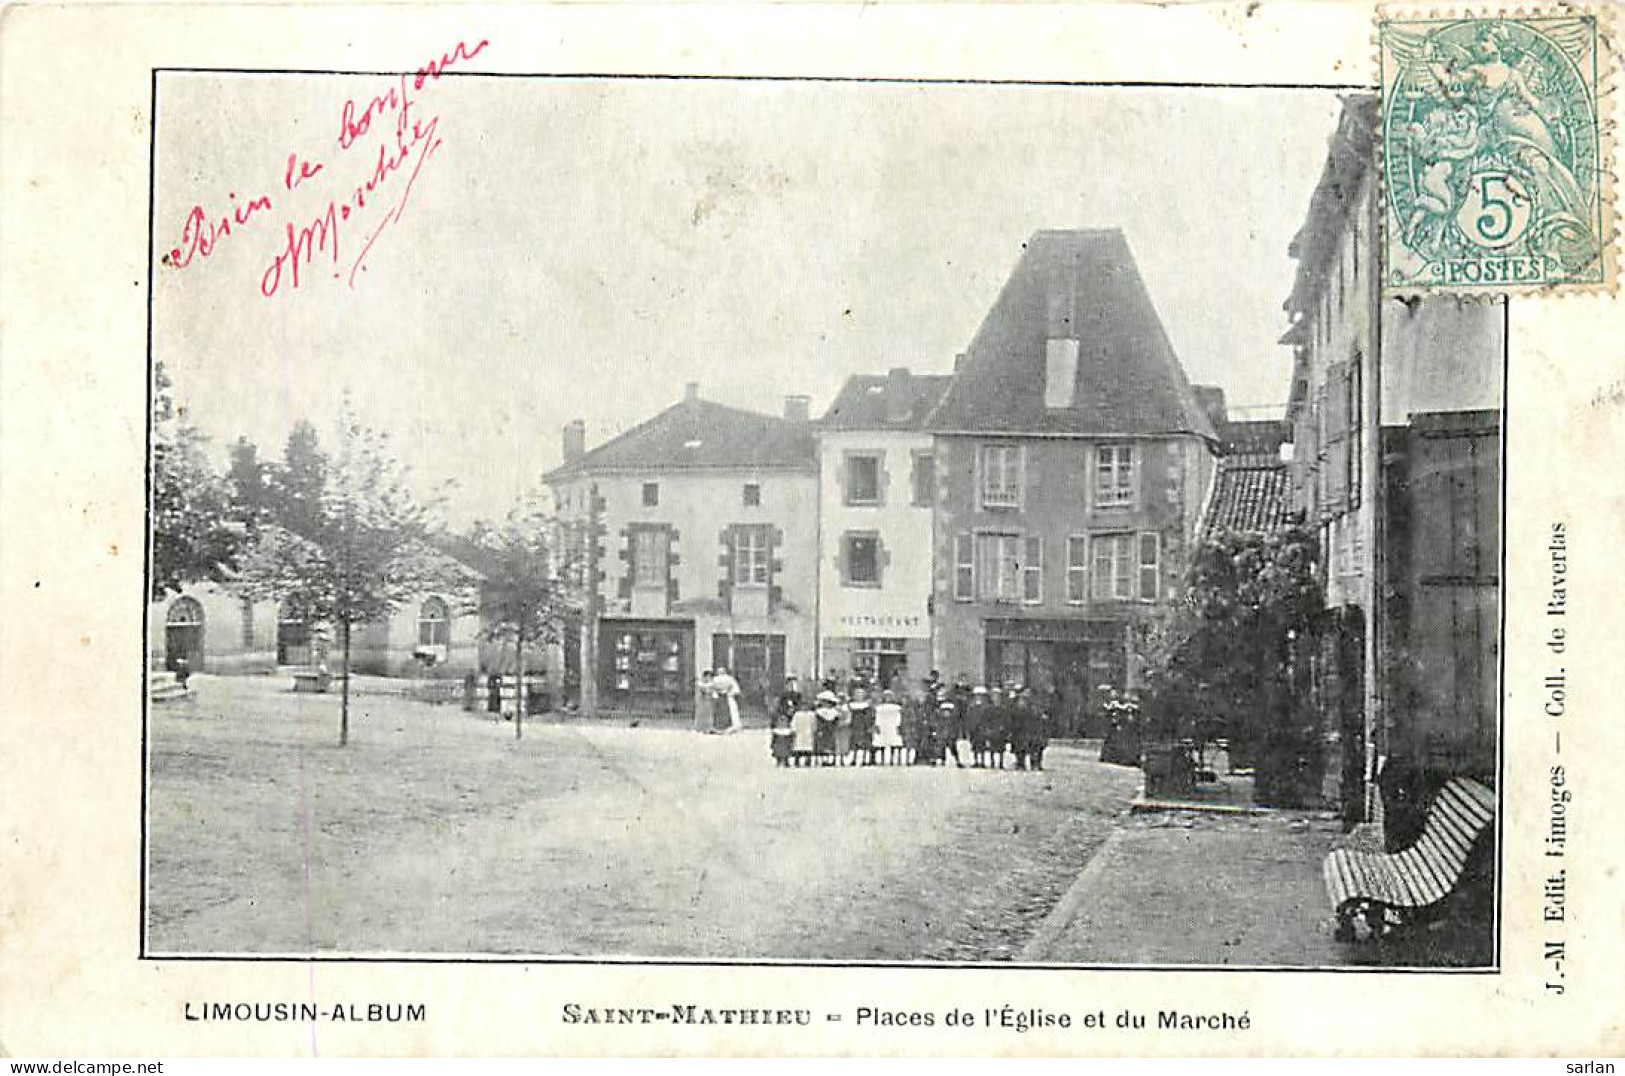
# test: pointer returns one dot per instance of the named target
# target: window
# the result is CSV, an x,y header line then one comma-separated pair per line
x,y
651,557
750,557
998,567
862,479
1126,566
1001,476
925,479
651,662
1032,571
651,494
753,495
434,624
862,560
879,660
964,567
1077,569
1114,476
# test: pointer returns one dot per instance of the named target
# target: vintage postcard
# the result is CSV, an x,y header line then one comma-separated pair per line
x,y
1067,530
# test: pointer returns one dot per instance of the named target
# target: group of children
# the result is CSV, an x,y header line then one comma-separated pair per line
x,y
901,728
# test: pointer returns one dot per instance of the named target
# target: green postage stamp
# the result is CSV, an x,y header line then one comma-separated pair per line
x,y
1494,160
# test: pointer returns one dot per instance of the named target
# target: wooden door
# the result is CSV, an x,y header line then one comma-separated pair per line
x,y
1444,544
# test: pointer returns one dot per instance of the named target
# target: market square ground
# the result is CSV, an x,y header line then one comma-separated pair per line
x,y
435,832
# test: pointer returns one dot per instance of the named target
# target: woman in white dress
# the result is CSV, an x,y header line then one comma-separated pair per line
x,y
726,688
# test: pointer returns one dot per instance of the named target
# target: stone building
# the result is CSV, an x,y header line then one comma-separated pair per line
x,y
1073,461
877,490
703,542
1370,375
216,631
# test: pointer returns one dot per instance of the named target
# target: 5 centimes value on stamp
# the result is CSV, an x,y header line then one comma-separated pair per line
x,y
1493,156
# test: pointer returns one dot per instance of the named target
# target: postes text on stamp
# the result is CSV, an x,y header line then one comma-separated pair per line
x,y
1493,161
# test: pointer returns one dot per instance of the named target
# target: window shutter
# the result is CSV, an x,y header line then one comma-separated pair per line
x,y
1356,434
964,567
1021,475
1150,565
1337,397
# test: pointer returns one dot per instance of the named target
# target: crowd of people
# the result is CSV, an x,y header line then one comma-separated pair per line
x,y
850,723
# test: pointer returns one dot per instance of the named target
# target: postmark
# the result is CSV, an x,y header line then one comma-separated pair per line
x,y
1494,158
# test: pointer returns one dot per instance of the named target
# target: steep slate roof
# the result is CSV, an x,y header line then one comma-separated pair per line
x,y
861,403
1250,493
1128,380
1348,156
698,434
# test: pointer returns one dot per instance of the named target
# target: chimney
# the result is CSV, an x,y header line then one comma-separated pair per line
x,y
691,392
959,360
899,398
1210,398
796,408
575,440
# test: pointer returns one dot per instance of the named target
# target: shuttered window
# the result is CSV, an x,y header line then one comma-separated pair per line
x,y
1000,467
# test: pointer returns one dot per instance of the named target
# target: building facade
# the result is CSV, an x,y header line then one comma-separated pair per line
x,y
1073,464
703,544
1364,367
216,631
877,492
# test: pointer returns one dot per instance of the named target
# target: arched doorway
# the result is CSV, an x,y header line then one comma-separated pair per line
x,y
183,635
293,633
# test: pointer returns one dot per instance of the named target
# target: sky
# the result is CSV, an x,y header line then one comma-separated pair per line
x,y
584,247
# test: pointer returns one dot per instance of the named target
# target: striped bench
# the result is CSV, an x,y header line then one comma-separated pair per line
x,y
1372,884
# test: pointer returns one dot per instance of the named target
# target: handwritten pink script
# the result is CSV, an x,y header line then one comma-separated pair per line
x,y
406,137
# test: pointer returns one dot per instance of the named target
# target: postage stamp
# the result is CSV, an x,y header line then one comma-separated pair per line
x,y
1494,159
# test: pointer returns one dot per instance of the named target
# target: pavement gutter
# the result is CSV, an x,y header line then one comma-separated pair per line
x,y
1060,917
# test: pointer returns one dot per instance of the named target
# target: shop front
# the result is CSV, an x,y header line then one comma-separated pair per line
x,y
646,666
1064,662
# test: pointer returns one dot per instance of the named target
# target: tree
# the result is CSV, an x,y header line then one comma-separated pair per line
x,y
530,587
300,483
249,480
362,547
194,537
1228,653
